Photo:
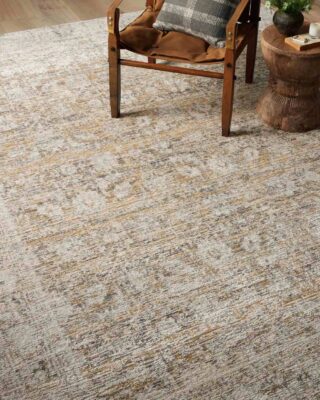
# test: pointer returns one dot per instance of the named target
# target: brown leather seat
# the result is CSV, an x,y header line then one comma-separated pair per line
x,y
140,37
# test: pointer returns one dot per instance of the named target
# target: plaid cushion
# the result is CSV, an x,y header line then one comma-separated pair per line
x,y
206,19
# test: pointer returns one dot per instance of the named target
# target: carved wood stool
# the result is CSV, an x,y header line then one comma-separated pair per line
x,y
291,102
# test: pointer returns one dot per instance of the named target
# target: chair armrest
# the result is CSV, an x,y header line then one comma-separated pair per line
x,y
231,30
113,17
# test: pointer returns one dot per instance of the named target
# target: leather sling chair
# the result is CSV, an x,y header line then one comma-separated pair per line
x,y
140,37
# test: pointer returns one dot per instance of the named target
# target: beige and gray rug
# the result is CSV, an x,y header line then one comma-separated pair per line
x,y
148,257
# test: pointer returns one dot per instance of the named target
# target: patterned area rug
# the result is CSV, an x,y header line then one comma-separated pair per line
x,y
148,257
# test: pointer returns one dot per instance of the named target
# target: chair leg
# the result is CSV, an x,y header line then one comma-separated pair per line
x,y
228,92
251,56
114,79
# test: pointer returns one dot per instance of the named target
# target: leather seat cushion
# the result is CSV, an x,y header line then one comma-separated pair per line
x,y
140,37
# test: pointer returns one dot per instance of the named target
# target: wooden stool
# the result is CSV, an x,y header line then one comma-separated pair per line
x,y
292,100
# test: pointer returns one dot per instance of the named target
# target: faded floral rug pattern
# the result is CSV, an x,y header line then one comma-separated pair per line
x,y
148,257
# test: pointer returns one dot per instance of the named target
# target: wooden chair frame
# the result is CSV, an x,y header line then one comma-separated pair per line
x,y
247,14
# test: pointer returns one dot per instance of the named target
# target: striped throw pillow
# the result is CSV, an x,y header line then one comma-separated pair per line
x,y
206,19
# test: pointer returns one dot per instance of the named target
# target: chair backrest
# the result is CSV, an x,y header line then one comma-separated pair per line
x,y
255,9
252,11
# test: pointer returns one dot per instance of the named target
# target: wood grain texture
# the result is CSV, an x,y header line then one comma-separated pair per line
x,y
292,100
17,15
273,40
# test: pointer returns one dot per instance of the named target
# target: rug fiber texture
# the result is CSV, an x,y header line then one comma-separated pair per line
x,y
149,257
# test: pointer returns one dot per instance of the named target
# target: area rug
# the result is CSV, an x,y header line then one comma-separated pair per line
x,y
149,257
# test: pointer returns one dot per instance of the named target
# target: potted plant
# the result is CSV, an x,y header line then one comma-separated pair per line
x,y
289,18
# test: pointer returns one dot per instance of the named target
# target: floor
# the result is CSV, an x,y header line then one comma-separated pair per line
x,y
149,257
17,15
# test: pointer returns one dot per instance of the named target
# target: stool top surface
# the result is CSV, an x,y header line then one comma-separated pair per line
x,y
273,40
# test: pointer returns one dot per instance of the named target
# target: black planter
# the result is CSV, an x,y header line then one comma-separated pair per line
x,y
288,24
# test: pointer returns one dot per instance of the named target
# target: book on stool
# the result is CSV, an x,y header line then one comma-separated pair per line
x,y
306,41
